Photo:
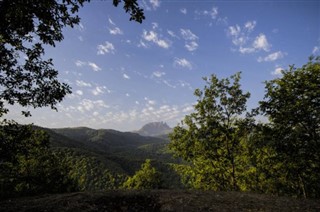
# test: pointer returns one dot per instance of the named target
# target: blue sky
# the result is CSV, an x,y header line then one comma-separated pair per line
x,y
124,74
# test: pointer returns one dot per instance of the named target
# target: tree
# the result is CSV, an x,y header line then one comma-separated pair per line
x,y
26,78
27,165
211,138
292,104
145,178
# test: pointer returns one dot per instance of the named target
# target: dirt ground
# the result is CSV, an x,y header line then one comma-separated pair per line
x,y
158,200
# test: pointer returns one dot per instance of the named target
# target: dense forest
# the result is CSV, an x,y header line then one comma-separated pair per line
x,y
221,146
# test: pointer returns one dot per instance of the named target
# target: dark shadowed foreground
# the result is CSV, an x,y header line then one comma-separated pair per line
x,y
159,200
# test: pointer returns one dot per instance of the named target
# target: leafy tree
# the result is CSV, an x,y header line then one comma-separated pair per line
x,y
27,166
26,78
146,178
211,138
292,104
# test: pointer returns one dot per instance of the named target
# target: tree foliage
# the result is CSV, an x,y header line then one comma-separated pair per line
x,y
145,178
26,77
211,138
292,104
27,165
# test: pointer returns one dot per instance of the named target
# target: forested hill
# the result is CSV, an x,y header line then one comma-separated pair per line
x,y
104,139
104,158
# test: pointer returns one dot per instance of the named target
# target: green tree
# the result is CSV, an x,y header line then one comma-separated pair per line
x,y
26,26
211,138
145,178
27,166
292,104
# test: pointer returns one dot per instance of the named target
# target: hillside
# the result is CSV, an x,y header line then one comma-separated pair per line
x,y
158,200
155,129
91,153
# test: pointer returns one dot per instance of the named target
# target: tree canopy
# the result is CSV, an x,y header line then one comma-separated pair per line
x,y
292,104
26,77
210,138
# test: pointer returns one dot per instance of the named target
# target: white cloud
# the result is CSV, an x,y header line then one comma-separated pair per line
x,y
246,50
79,92
213,13
272,57
158,74
188,35
155,25
80,27
261,43
111,22
152,36
142,44
89,105
94,66
115,31
184,11
126,76
182,62
250,25
155,4
80,63
315,50
106,48
277,71
81,83
99,90
151,102
190,38
172,34
192,46
241,37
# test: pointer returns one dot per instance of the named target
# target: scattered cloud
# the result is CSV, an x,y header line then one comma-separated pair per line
x,y
90,105
155,4
80,63
315,50
106,48
172,34
111,22
250,25
94,66
261,43
190,39
158,74
99,90
80,27
242,40
81,83
183,11
79,92
115,31
272,57
213,13
152,36
188,35
192,46
125,76
151,4
182,62
277,71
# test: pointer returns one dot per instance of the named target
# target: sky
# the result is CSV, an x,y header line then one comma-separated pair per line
x,y
124,74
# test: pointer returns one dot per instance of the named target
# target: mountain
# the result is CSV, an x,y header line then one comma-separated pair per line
x,y
154,129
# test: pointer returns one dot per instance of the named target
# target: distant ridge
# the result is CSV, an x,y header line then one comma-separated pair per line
x,y
155,129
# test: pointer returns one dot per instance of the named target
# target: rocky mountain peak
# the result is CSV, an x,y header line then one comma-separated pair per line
x,y
155,129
